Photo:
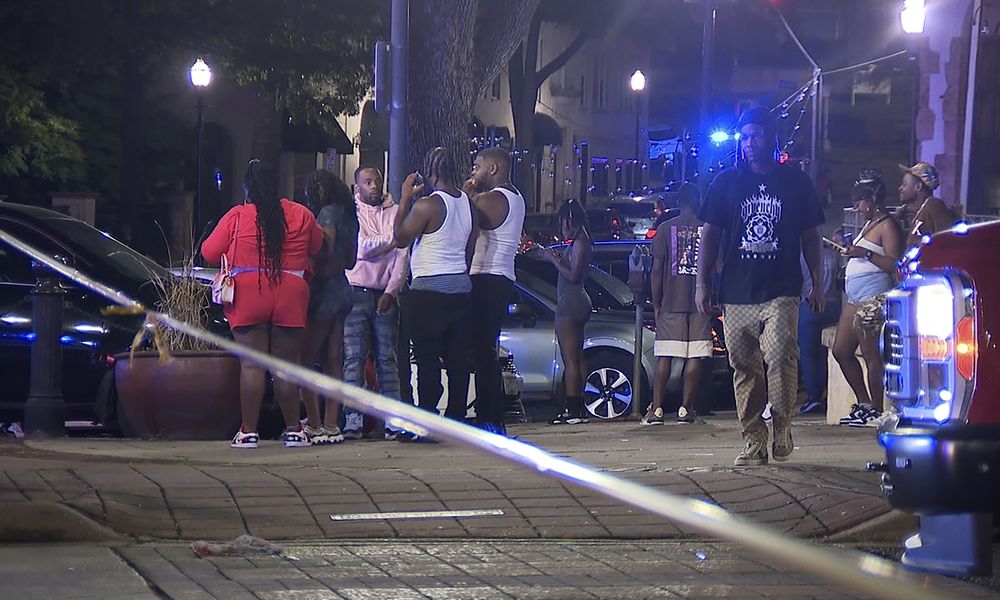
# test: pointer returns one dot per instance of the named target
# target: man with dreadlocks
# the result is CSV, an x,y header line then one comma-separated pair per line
x,y
268,241
442,230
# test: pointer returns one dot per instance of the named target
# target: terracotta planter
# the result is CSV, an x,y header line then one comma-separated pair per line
x,y
196,396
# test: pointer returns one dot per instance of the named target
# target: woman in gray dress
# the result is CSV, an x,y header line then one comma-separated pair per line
x,y
573,307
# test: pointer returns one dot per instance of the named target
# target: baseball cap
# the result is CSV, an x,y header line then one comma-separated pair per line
x,y
925,172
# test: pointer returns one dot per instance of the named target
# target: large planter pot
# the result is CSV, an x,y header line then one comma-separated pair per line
x,y
195,396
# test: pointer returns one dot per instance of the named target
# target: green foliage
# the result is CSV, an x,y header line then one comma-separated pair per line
x,y
36,141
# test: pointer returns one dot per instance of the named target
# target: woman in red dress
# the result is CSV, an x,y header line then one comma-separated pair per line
x,y
268,242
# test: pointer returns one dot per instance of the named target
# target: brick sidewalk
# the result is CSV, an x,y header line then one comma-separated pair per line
x,y
204,490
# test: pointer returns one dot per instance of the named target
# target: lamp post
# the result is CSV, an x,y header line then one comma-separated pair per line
x,y
201,77
638,83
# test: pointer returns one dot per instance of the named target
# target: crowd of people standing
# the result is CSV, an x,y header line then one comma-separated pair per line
x,y
334,283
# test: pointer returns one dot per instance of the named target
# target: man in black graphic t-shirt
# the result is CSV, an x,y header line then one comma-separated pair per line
x,y
760,216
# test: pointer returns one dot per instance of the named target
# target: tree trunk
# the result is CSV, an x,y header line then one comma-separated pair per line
x,y
266,140
442,86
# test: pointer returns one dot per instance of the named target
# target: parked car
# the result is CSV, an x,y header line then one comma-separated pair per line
x,y
942,447
608,344
90,340
611,258
639,214
606,224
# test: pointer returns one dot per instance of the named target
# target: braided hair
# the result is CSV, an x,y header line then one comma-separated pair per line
x,y
260,189
870,184
438,163
323,188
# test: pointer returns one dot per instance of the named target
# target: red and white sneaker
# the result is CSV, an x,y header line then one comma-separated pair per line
x,y
296,439
245,440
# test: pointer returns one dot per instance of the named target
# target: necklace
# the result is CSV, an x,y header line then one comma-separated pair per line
x,y
869,225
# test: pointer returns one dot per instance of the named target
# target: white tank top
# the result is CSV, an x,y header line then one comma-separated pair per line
x,y
443,252
859,265
495,248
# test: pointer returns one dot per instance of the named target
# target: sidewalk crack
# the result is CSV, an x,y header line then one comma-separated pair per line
x,y
229,490
163,494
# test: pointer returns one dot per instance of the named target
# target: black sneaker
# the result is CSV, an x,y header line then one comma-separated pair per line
x,y
569,418
687,416
859,416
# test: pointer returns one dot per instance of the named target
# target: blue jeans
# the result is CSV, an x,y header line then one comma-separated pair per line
x,y
362,327
812,354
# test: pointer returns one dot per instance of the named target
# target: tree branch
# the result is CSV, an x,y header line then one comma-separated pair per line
x,y
502,30
557,63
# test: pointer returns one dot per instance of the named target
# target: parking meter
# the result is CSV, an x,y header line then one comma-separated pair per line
x,y
640,262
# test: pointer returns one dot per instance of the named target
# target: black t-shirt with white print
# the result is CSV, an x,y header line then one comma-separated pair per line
x,y
763,217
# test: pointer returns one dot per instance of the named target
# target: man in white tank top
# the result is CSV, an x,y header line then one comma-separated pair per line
x,y
500,209
441,227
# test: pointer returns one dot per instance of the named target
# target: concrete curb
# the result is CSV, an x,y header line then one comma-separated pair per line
x,y
892,527
48,522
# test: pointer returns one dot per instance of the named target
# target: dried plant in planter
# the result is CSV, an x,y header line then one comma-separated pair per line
x,y
185,298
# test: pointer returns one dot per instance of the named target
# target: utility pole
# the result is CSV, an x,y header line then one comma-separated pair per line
x,y
399,19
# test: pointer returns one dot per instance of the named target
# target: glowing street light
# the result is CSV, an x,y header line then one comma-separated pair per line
x,y
637,81
912,16
201,77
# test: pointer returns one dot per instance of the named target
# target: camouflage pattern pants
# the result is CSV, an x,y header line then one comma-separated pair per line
x,y
763,351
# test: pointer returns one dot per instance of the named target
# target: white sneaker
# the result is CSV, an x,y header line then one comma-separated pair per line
x,y
766,415
354,426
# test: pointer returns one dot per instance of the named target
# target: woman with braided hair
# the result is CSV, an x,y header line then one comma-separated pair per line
x,y
268,242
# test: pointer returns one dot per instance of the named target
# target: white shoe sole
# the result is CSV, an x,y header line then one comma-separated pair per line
x,y
249,446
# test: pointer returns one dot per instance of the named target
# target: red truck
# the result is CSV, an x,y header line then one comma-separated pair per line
x,y
943,377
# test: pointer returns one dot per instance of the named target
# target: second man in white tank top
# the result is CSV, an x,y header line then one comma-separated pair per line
x,y
500,211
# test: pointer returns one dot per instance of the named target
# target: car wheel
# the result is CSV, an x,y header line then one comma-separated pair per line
x,y
608,390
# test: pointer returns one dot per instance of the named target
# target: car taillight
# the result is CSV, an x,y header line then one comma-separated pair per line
x,y
965,348
650,234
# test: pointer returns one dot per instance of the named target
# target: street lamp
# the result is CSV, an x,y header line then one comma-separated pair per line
x,y
912,16
201,77
638,83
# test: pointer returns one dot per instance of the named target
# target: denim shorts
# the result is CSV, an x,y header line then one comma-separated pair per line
x,y
863,286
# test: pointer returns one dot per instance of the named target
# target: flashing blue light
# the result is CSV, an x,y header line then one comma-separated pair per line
x,y
911,442
925,239
719,137
913,266
942,412
913,252
961,228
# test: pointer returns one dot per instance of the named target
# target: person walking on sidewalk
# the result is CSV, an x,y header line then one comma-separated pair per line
x,y
573,307
330,298
761,215
372,326
500,208
442,229
681,331
268,241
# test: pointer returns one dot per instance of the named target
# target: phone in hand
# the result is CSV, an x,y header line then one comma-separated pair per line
x,y
834,245
418,180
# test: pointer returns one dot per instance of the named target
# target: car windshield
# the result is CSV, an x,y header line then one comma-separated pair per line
x,y
124,260
635,210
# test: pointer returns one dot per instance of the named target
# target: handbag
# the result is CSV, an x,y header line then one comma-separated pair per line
x,y
223,286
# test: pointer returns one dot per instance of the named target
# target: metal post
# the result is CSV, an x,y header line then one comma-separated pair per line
x,y
707,57
44,411
399,40
817,82
638,268
585,179
196,209
970,101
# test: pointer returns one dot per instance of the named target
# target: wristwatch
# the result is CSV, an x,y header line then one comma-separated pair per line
x,y
869,254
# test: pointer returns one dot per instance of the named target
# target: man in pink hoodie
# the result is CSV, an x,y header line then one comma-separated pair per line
x,y
372,326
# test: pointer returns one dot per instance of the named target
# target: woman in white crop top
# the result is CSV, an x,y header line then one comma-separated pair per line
x,y
871,271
